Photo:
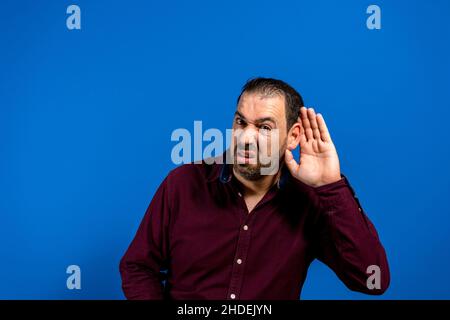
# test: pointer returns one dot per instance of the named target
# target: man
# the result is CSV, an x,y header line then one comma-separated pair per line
x,y
226,231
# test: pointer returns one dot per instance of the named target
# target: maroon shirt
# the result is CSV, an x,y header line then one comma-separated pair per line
x,y
198,228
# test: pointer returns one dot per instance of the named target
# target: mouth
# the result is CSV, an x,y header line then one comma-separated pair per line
x,y
246,156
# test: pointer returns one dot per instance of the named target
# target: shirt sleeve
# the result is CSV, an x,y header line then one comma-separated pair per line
x,y
348,241
147,254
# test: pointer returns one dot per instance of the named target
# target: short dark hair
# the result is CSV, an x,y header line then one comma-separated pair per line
x,y
269,87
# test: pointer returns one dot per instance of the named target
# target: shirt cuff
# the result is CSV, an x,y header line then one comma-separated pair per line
x,y
331,186
336,194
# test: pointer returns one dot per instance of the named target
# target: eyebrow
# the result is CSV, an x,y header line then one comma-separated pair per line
x,y
237,113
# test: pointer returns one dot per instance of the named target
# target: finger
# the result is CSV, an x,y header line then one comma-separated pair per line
x,y
303,139
324,133
306,124
313,123
291,164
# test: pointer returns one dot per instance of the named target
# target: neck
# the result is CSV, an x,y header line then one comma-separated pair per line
x,y
257,187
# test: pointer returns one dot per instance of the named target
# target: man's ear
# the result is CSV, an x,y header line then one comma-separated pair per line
x,y
293,138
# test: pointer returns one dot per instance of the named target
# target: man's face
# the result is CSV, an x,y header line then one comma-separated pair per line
x,y
259,128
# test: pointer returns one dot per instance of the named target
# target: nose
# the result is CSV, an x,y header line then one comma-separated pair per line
x,y
247,136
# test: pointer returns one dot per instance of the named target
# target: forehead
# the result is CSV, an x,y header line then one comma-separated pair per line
x,y
254,106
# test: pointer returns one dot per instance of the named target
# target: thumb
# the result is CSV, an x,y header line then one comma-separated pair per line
x,y
290,162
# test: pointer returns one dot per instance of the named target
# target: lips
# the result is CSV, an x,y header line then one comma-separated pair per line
x,y
246,154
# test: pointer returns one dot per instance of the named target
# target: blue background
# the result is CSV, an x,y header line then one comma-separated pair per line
x,y
86,118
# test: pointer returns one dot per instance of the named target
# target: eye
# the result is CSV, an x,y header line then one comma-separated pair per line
x,y
239,121
265,127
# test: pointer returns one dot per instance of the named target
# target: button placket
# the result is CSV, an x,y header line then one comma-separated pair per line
x,y
239,261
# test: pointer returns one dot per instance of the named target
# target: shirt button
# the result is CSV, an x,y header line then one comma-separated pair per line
x,y
239,261
232,296
245,227
359,209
